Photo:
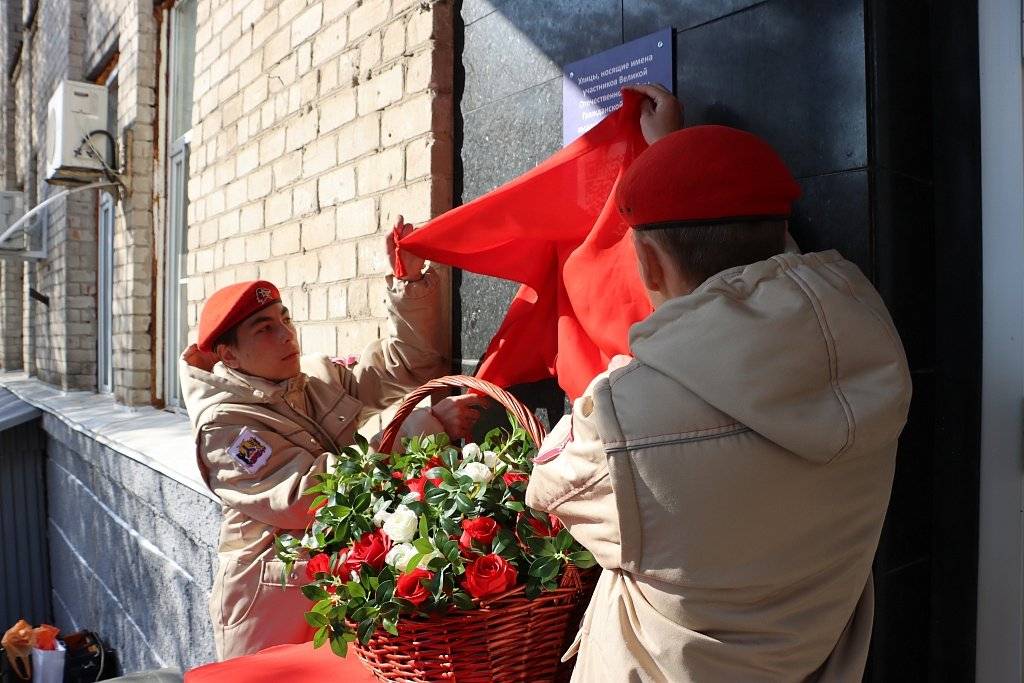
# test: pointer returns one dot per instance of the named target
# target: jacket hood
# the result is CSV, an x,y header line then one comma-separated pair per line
x,y
799,348
202,390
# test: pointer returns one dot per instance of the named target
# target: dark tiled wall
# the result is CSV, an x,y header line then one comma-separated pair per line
x,y
843,89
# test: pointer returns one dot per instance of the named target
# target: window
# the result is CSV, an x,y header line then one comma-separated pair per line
x,y
182,39
105,255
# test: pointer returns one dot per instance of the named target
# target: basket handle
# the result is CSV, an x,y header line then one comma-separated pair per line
x,y
526,418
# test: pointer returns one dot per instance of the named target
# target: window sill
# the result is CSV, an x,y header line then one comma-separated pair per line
x,y
159,439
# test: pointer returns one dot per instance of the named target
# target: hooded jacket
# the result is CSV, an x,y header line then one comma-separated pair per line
x,y
261,444
732,480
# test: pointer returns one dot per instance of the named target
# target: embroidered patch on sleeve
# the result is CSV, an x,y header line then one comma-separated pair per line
x,y
250,451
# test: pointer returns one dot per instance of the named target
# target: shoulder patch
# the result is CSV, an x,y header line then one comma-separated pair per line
x,y
250,451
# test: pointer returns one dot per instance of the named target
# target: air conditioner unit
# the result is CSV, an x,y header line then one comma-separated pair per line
x,y
77,143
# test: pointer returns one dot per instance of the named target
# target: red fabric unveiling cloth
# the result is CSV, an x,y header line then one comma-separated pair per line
x,y
555,230
285,664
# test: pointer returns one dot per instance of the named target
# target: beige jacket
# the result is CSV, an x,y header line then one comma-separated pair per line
x,y
732,480
260,444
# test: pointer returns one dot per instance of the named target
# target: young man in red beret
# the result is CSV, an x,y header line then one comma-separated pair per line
x,y
732,476
267,420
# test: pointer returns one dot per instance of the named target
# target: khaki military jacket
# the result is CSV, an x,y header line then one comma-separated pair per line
x,y
260,444
732,480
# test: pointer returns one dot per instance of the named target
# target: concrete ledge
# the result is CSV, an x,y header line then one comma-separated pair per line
x,y
159,439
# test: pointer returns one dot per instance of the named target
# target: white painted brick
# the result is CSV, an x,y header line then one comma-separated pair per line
x,y
357,218
278,207
320,155
287,169
393,43
318,230
251,217
304,198
369,15
337,301
260,183
420,29
412,202
337,186
419,72
381,90
338,262
247,160
329,42
371,256
306,24
318,304
418,158
285,240
274,271
380,171
359,137
337,110
257,247
302,269
407,120
234,251
301,130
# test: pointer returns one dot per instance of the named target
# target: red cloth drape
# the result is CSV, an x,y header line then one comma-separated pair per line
x,y
285,664
556,230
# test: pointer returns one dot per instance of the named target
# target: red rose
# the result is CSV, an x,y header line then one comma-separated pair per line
x,y
490,575
481,529
514,478
410,586
419,486
317,564
370,549
541,529
434,461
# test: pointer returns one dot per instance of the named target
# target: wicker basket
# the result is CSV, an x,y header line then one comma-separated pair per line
x,y
510,639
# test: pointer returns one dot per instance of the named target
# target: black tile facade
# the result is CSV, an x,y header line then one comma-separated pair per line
x,y
832,213
641,17
791,71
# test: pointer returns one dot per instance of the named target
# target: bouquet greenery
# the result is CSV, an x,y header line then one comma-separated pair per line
x,y
431,529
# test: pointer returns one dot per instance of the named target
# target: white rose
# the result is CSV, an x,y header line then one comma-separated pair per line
x,y
401,525
470,452
400,554
477,471
381,516
490,459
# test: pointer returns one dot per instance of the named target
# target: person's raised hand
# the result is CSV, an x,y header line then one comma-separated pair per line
x,y
660,114
411,268
458,414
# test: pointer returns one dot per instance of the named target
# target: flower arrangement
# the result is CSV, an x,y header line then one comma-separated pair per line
x,y
426,531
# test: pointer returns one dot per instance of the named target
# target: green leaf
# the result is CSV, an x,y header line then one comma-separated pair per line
x,y
355,590
450,457
423,545
424,528
339,646
436,495
545,568
323,606
463,502
320,637
390,626
463,600
584,559
314,592
365,630
515,506
563,541
316,619
413,562
502,541
361,441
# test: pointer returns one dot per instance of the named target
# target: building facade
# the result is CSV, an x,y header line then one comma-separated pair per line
x,y
281,139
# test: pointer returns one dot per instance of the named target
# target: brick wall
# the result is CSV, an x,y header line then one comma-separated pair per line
x,y
11,281
315,125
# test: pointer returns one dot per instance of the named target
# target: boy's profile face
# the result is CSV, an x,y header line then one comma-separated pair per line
x,y
266,345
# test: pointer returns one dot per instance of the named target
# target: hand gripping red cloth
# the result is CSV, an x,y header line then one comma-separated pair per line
x,y
556,230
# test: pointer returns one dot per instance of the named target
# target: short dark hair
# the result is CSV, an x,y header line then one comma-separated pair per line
x,y
230,338
703,250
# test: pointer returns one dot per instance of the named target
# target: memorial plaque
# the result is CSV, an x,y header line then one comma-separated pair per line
x,y
591,87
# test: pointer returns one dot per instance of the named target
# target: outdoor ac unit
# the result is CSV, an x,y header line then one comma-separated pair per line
x,y
75,149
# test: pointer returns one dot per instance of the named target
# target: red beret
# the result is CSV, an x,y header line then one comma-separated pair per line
x,y
706,174
230,305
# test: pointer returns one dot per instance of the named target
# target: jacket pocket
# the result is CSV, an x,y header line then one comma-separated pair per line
x,y
341,421
272,573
